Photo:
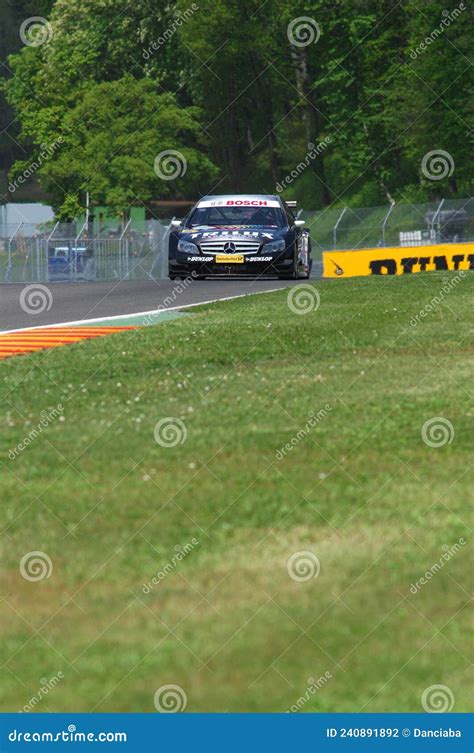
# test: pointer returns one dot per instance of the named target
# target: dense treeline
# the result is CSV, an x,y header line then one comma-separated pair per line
x,y
327,99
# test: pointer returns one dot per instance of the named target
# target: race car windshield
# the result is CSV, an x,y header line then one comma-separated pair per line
x,y
232,216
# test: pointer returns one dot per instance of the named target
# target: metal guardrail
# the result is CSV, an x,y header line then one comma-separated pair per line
x,y
71,253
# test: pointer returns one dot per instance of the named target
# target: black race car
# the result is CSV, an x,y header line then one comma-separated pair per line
x,y
240,235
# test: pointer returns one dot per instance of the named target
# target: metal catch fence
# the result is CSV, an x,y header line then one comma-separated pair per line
x,y
30,253
34,253
346,228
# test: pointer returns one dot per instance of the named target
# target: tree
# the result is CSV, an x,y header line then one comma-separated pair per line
x,y
111,131
124,143
254,86
431,98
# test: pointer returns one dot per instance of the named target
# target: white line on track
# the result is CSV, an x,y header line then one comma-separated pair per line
x,y
137,313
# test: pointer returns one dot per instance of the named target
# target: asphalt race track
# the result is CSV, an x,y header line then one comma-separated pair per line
x,y
79,301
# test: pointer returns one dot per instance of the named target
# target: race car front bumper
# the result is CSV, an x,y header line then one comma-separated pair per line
x,y
222,265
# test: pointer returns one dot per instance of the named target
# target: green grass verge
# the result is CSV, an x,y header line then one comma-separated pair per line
x,y
361,491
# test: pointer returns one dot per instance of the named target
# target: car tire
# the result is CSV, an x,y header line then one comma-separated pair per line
x,y
293,275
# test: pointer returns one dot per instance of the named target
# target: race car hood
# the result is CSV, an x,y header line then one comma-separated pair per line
x,y
262,233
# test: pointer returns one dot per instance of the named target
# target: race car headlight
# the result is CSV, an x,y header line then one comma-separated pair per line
x,y
274,247
187,248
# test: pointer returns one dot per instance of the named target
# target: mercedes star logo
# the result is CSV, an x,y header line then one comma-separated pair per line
x,y
229,247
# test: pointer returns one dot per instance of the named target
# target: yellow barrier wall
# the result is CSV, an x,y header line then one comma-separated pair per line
x,y
398,260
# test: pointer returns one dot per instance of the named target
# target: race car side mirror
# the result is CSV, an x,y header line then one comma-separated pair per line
x,y
175,223
300,223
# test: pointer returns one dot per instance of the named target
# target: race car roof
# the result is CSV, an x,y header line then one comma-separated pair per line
x,y
239,200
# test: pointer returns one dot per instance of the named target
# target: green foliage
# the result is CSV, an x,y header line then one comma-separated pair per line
x,y
69,209
222,82
112,138
432,97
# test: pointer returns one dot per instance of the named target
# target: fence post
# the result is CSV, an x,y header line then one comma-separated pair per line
x,y
160,236
76,241
334,232
384,223
124,256
164,250
9,267
52,232
436,215
38,260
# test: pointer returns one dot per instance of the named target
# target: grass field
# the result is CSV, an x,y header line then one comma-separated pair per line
x,y
359,489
